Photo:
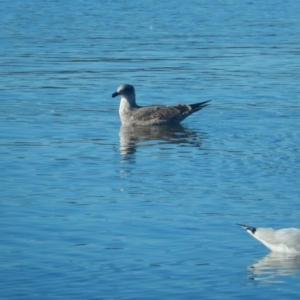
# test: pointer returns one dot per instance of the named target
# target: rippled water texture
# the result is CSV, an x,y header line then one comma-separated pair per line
x,y
93,210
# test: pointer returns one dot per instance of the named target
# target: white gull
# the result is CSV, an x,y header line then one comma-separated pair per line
x,y
283,240
132,114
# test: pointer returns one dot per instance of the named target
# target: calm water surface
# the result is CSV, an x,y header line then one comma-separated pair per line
x,y
93,210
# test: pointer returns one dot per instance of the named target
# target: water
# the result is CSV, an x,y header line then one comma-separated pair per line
x,y
91,210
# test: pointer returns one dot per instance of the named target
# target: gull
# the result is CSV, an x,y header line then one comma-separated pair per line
x,y
283,240
132,114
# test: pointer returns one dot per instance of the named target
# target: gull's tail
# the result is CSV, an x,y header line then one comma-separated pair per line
x,y
248,228
198,106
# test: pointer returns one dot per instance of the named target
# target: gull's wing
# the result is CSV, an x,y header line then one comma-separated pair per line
x,y
289,237
166,114
162,114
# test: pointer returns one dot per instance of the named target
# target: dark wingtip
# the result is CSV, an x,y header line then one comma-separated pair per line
x,y
115,94
246,227
198,106
204,103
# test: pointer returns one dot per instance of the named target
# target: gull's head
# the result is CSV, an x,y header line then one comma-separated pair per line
x,y
125,91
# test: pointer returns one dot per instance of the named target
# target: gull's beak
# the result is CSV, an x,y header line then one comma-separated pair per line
x,y
115,94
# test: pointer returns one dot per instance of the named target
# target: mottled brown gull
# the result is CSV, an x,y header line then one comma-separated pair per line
x,y
132,114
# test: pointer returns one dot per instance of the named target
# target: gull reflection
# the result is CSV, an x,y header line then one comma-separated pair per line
x,y
275,265
131,136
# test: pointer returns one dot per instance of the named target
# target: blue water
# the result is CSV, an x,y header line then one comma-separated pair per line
x,y
92,210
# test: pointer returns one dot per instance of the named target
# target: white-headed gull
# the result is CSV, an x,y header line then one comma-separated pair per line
x,y
283,240
132,114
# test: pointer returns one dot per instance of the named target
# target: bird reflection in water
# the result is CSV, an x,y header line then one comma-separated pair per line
x,y
275,265
131,136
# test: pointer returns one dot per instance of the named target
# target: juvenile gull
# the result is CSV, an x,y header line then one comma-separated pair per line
x,y
132,114
283,240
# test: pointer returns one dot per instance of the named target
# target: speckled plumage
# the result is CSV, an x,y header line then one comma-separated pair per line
x,y
132,114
